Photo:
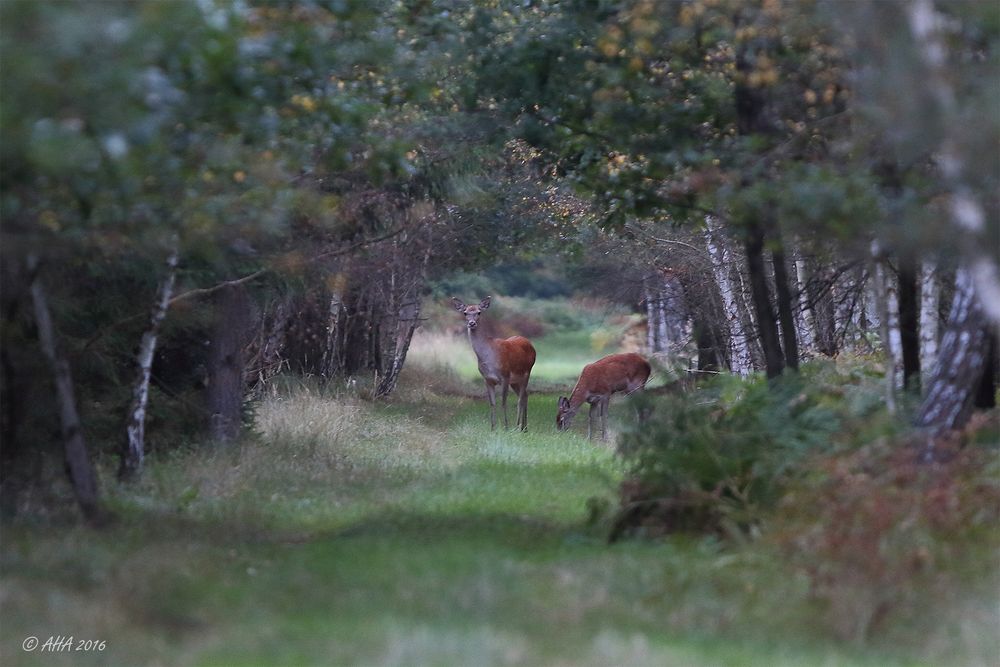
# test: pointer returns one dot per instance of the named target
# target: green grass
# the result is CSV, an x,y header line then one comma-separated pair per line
x,y
561,357
405,533
576,334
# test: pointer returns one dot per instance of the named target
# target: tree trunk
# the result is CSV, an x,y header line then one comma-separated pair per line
x,y
860,318
909,334
882,306
961,361
268,354
708,358
330,361
785,313
133,450
741,361
409,318
652,326
225,363
895,346
81,472
929,303
824,313
774,361
986,394
968,216
806,322
752,117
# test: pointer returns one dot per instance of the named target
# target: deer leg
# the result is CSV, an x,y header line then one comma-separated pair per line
x,y
604,417
503,402
590,421
517,414
522,406
492,398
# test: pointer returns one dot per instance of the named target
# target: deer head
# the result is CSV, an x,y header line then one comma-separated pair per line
x,y
471,313
565,414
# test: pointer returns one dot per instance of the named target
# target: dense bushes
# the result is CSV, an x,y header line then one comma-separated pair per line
x,y
713,461
873,528
832,485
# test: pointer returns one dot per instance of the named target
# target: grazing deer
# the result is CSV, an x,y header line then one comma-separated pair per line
x,y
503,361
617,372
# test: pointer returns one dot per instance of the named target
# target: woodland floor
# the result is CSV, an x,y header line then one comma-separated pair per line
x,y
407,533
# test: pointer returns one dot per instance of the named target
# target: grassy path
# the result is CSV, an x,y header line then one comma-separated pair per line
x,y
403,534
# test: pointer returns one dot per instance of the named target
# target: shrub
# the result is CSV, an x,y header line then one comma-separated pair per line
x,y
879,533
715,459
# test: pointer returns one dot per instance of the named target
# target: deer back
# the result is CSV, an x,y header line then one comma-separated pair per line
x,y
615,372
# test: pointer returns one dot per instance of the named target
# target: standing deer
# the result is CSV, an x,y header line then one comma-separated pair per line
x,y
617,372
503,361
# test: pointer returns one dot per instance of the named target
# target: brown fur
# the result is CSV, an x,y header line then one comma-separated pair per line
x,y
615,373
506,362
517,356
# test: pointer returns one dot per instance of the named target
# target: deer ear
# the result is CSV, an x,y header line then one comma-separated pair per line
x,y
485,303
457,303
563,402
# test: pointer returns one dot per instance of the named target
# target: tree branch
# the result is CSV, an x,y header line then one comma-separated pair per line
x,y
204,291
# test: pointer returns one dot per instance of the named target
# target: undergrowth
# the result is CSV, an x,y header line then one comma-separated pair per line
x,y
717,459
813,466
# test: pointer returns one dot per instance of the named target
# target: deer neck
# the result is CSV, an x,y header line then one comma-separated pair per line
x,y
577,398
484,347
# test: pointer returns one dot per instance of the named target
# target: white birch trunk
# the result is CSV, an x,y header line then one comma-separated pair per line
x,y
650,321
805,320
894,351
930,294
133,453
882,305
967,214
739,350
961,363
661,324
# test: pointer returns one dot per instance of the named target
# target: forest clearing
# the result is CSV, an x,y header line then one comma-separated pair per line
x,y
408,532
545,332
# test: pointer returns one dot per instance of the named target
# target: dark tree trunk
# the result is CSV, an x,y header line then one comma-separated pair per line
x,y
306,334
826,320
708,353
961,361
13,393
774,361
986,395
81,472
785,311
909,328
226,363
752,118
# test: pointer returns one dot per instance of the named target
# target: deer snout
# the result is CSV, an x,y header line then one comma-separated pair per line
x,y
472,324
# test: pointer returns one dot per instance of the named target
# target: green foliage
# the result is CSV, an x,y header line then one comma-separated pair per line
x,y
525,279
442,544
723,457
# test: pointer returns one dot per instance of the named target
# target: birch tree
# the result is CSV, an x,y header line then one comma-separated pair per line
x,y
961,362
881,296
741,360
133,451
929,302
